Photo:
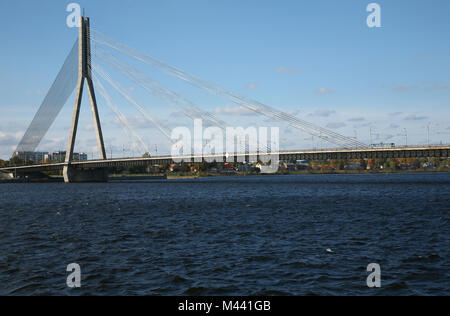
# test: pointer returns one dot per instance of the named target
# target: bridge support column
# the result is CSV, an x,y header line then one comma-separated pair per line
x,y
71,173
6,176
74,175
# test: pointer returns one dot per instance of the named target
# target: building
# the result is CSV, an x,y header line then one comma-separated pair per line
x,y
81,156
56,156
61,156
287,166
30,156
302,164
353,166
245,167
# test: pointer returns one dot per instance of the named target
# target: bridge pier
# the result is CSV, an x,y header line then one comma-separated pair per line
x,y
75,175
6,176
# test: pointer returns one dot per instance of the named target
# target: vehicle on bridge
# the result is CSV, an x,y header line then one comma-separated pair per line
x,y
382,145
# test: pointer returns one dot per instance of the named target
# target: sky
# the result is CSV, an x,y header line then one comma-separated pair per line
x,y
317,60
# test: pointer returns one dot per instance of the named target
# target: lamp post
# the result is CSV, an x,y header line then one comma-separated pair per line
x,y
312,142
406,137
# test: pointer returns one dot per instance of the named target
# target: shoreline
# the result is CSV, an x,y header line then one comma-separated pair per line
x,y
293,173
142,177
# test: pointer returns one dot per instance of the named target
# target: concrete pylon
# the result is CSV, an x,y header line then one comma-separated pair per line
x,y
84,75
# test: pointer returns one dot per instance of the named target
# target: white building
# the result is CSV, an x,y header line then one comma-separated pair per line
x,y
30,156
61,156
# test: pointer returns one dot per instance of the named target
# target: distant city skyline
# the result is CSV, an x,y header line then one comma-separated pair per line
x,y
317,60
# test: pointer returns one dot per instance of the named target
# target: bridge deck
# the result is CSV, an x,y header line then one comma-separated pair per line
x,y
371,153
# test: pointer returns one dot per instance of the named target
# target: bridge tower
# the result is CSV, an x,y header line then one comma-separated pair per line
x,y
71,174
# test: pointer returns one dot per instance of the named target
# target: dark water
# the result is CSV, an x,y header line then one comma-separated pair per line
x,y
229,236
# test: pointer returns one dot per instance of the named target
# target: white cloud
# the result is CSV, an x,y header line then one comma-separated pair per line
x,y
387,137
323,113
251,86
287,70
233,110
324,91
136,122
288,130
9,139
293,112
356,119
413,117
401,88
336,125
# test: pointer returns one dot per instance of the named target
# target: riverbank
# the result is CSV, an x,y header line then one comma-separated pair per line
x,y
134,177
303,172
43,180
178,176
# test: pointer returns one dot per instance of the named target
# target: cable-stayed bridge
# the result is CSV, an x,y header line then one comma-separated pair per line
x,y
78,69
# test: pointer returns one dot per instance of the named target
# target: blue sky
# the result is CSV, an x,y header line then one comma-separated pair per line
x,y
315,59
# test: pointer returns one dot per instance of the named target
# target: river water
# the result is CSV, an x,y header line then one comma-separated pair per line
x,y
267,235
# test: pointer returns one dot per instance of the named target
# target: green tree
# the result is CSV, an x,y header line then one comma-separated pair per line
x,y
393,164
436,161
203,166
415,163
379,163
146,155
443,165
16,161
363,164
